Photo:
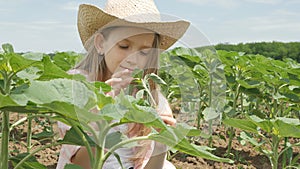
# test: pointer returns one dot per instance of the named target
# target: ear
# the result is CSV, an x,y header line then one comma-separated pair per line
x,y
98,42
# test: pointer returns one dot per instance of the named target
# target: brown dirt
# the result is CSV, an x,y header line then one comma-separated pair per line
x,y
246,157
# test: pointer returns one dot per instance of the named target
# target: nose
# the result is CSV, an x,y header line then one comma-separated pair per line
x,y
131,60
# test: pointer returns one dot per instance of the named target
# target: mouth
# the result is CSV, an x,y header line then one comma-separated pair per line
x,y
126,68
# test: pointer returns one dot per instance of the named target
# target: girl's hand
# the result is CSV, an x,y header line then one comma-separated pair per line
x,y
164,111
119,81
168,118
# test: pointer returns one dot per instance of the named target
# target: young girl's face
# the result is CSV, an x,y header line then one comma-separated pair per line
x,y
127,48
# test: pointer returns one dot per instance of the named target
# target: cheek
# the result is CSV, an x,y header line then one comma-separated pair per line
x,y
142,62
113,59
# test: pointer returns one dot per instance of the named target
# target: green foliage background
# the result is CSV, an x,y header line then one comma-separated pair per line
x,y
275,50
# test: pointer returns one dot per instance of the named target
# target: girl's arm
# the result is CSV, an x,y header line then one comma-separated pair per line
x,y
158,158
81,158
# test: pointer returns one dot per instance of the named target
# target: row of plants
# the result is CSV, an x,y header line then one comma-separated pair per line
x,y
258,95
262,100
37,85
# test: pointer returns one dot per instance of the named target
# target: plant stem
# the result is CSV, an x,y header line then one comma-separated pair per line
x,y
100,149
148,91
119,145
29,134
231,136
231,129
4,140
86,143
274,158
18,122
285,156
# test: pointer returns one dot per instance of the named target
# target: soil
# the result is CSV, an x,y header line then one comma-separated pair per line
x,y
245,156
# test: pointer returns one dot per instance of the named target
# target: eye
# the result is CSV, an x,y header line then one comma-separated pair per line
x,y
123,46
145,52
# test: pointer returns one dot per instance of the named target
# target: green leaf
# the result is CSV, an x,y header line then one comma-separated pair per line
x,y
173,138
29,73
31,162
287,127
19,63
33,56
113,139
157,79
113,112
63,90
103,100
264,124
70,111
8,48
72,166
249,138
248,84
101,86
52,71
66,60
74,138
243,124
44,134
6,101
210,113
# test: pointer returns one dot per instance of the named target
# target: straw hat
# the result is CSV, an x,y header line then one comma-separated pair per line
x,y
136,13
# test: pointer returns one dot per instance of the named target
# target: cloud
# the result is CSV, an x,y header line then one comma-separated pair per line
x,y
293,2
220,3
287,13
4,10
73,6
265,1
35,26
43,36
265,24
232,3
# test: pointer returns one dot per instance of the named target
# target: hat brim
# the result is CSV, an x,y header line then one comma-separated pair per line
x,y
91,19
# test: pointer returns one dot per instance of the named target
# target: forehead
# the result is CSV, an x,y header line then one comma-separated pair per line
x,y
120,33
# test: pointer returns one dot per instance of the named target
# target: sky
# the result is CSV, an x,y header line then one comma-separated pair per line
x,y
50,25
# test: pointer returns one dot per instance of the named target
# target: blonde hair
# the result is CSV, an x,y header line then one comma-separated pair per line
x,y
95,67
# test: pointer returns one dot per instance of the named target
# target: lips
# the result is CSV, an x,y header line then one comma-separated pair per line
x,y
123,67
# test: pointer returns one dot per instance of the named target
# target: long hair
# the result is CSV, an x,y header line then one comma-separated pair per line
x,y
94,65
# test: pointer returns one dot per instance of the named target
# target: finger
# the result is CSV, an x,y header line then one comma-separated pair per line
x,y
113,81
169,120
123,73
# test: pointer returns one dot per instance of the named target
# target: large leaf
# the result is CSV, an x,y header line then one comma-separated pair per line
x,y
74,138
173,138
113,139
19,63
69,111
264,124
63,90
243,124
52,71
66,60
113,112
287,127
6,101
30,163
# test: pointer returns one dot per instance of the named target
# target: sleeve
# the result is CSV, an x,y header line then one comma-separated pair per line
x,y
67,151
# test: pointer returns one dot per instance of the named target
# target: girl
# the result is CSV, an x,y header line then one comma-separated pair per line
x,y
124,36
